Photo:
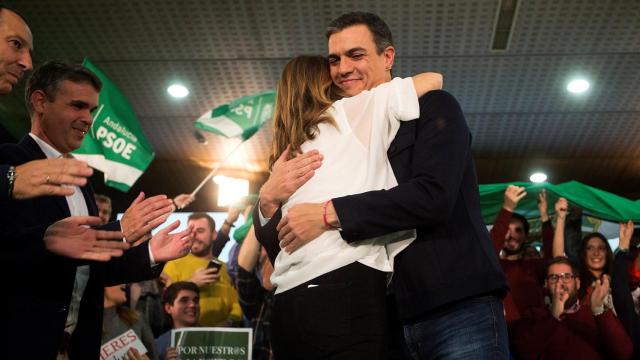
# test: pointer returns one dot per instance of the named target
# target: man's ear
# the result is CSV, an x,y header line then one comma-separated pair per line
x,y
577,282
38,100
167,308
389,54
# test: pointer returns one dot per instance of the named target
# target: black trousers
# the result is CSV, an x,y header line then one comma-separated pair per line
x,y
342,317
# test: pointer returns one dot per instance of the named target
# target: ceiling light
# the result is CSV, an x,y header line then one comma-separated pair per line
x,y
578,86
538,177
178,91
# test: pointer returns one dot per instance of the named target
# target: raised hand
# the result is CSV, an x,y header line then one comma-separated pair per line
x,y
72,237
165,246
45,177
600,292
512,196
543,205
286,177
183,200
145,215
562,207
625,233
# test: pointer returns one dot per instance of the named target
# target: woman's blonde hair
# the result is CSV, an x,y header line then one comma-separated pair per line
x,y
305,91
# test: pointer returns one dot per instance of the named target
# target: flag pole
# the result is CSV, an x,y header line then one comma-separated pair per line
x,y
215,169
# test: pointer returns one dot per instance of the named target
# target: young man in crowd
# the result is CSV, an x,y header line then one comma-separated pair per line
x,y
181,301
104,208
218,297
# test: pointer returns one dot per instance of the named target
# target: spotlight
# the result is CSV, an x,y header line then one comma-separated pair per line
x,y
178,91
578,86
538,177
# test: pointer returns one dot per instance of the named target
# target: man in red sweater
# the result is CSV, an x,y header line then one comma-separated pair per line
x,y
567,329
508,234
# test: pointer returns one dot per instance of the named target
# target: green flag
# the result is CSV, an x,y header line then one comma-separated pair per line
x,y
594,202
115,145
241,118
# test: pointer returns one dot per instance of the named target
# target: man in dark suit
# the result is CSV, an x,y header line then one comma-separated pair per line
x,y
68,237
448,283
52,295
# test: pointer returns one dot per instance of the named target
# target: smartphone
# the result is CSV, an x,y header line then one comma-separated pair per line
x,y
214,264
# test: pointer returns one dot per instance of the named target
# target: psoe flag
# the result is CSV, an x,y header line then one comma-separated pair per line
x,y
241,118
115,145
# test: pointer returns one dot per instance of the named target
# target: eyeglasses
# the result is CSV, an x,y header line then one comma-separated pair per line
x,y
566,277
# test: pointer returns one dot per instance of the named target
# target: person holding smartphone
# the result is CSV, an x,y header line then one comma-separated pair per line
x,y
218,298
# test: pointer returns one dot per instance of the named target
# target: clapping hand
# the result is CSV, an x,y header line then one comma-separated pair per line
x,y
72,237
559,298
145,215
165,246
600,292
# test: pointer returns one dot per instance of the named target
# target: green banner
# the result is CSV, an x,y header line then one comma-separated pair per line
x,y
115,144
201,343
594,202
241,118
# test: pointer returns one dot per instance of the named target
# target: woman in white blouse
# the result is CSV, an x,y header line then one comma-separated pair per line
x,y
329,298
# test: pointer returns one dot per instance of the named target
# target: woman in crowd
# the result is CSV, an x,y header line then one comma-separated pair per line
x,y
595,257
329,299
118,319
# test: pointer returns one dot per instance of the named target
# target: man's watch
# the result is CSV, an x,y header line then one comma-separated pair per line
x,y
228,223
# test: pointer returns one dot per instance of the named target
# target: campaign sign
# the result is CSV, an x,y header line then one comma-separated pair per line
x,y
116,348
212,343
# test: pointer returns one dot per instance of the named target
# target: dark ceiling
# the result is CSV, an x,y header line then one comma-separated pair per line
x,y
515,101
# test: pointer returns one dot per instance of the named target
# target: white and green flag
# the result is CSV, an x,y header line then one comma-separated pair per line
x,y
115,145
241,118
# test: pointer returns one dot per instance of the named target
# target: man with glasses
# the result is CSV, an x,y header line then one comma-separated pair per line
x,y
568,329
508,236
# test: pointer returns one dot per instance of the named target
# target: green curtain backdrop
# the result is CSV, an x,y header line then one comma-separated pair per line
x,y
594,202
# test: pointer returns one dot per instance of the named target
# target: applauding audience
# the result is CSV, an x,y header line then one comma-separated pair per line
x,y
570,328
523,273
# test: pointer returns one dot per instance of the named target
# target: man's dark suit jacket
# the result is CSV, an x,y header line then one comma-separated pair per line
x,y
38,284
452,258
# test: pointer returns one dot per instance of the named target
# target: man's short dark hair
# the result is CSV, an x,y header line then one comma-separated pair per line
x,y
171,292
102,198
203,215
561,260
523,220
48,77
381,32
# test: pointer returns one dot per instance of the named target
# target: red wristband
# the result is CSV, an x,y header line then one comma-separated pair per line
x,y
324,216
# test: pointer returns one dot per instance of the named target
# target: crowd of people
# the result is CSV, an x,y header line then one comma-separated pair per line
x,y
366,241
563,306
